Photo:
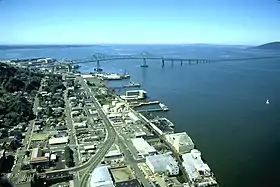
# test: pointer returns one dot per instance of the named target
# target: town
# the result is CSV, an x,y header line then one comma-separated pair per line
x,y
84,134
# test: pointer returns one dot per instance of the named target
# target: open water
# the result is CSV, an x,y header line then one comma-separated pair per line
x,y
220,105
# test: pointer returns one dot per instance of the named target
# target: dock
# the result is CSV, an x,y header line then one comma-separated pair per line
x,y
161,108
138,104
152,110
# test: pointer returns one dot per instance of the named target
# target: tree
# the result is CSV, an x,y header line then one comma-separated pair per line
x,y
69,160
49,111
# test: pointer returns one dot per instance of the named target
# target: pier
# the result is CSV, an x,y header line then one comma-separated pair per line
x,y
138,104
162,107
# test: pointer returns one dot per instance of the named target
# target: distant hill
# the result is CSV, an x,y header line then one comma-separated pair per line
x,y
271,46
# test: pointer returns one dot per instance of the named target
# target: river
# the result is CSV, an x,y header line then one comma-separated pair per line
x,y
222,106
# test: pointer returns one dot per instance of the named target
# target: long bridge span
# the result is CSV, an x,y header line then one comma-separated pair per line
x,y
98,57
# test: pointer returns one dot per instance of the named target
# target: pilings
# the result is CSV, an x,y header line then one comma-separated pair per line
x,y
187,61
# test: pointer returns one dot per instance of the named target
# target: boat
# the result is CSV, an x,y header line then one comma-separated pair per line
x,y
76,67
131,84
144,66
267,102
98,69
125,75
163,107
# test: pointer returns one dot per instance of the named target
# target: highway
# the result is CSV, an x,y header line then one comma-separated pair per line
x,y
110,138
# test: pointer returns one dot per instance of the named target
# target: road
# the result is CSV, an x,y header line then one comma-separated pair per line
x,y
109,140
26,142
29,132
132,163
73,142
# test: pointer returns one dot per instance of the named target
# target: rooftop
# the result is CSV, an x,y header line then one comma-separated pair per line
x,y
142,146
58,140
194,165
101,177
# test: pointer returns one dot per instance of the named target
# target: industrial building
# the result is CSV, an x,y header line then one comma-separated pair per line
x,y
198,172
134,95
101,177
37,159
114,154
162,164
143,148
60,140
181,142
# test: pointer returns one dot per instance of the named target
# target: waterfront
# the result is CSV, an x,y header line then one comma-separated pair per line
x,y
221,106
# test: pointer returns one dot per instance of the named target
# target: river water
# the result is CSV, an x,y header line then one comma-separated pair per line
x,y
220,105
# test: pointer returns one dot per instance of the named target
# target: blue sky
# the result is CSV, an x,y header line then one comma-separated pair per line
x,y
246,22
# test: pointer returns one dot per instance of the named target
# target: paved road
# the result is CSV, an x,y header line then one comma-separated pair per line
x,y
73,142
28,139
133,163
110,138
26,142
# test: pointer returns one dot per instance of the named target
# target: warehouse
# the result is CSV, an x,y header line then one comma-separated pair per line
x,y
143,148
181,142
101,177
60,140
162,164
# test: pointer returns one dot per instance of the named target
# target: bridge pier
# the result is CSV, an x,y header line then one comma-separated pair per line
x,y
162,62
172,63
181,62
144,65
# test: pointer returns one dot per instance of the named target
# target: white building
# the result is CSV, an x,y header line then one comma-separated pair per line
x,y
60,140
114,154
133,117
80,125
143,147
197,171
134,95
101,177
181,142
162,164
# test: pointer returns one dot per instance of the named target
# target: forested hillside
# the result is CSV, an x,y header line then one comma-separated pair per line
x,y
17,91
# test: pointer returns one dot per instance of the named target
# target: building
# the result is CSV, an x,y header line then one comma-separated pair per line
x,y
59,140
181,142
39,161
101,177
198,172
36,152
90,147
143,148
162,164
80,125
114,154
134,95
37,158
133,117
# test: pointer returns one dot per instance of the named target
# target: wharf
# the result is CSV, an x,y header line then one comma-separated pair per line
x,y
138,104
162,107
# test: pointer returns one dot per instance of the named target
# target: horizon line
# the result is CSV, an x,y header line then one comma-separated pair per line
x,y
81,44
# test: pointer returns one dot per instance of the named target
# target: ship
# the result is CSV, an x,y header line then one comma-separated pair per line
x,y
131,84
125,75
163,107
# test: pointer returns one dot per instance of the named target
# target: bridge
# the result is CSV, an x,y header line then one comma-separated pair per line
x,y
98,57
